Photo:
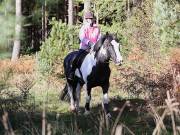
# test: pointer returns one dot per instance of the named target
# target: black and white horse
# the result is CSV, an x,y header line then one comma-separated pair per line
x,y
94,71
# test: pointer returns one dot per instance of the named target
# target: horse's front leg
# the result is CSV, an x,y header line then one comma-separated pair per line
x,y
72,98
88,99
106,100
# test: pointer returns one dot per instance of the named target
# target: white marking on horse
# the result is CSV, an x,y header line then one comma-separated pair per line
x,y
103,51
86,67
78,95
105,98
72,107
116,48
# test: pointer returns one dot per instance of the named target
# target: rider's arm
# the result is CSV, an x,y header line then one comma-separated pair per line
x,y
82,36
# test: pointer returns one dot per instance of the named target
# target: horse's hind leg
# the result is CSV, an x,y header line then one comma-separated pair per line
x,y
72,100
88,99
78,94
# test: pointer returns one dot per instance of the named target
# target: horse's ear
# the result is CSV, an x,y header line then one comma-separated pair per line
x,y
116,34
107,33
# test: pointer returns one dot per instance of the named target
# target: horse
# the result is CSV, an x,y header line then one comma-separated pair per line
x,y
93,71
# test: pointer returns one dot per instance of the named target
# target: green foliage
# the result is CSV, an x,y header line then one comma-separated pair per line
x,y
166,21
7,20
111,15
62,39
138,26
109,11
119,33
4,78
5,54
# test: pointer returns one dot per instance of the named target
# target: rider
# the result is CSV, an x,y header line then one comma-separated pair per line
x,y
89,34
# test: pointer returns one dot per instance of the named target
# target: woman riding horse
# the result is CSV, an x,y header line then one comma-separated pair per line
x,y
89,34
94,71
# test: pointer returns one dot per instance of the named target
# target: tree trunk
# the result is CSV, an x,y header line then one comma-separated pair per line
x,y
17,41
43,33
70,12
128,9
87,6
96,14
46,19
65,13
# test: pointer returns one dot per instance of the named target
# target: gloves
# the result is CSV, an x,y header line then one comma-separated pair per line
x,y
90,44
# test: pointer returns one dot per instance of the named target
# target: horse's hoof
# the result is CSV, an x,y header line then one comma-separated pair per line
x,y
87,113
78,112
72,109
108,116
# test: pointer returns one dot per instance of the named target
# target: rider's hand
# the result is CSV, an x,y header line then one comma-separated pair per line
x,y
90,44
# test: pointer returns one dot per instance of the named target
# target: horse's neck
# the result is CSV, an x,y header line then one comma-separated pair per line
x,y
90,63
102,58
99,59
102,65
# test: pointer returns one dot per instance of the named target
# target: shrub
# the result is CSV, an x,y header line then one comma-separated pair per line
x,y
165,17
62,39
120,34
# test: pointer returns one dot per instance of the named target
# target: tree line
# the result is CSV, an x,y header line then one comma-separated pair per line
x,y
26,24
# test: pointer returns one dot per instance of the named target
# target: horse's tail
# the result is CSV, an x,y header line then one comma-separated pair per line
x,y
64,95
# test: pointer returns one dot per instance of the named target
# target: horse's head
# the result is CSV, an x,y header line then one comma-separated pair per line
x,y
111,48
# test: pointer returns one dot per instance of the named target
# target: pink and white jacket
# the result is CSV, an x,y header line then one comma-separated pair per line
x,y
87,34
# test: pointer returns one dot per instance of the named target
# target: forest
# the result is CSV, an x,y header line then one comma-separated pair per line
x,y
144,92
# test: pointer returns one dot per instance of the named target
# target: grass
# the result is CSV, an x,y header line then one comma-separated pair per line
x,y
27,118
25,114
67,122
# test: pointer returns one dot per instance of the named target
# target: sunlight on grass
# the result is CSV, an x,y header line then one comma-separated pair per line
x,y
46,91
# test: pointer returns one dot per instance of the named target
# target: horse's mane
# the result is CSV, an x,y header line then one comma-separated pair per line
x,y
102,40
100,43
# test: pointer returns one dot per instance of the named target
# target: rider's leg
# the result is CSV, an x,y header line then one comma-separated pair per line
x,y
71,73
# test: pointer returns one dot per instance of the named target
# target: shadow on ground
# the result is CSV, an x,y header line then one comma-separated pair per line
x,y
28,121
